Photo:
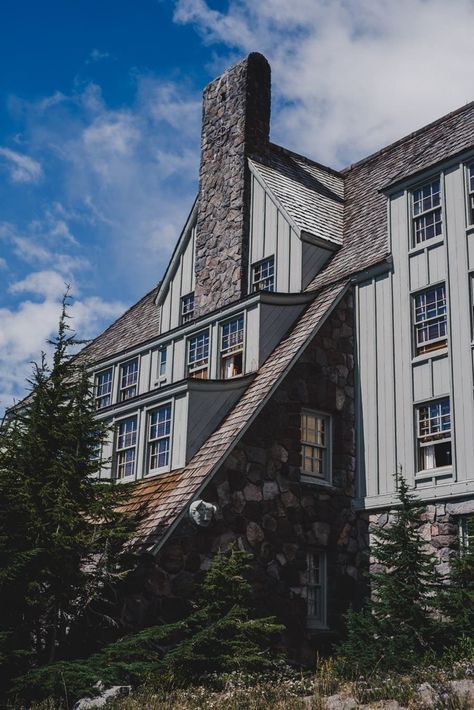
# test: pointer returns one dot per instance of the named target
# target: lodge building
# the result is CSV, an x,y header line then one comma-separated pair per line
x,y
312,337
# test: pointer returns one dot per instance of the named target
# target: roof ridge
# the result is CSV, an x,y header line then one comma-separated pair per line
x,y
408,137
294,154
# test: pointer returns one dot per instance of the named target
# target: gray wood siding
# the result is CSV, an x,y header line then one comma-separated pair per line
x,y
275,321
313,260
181,283
272,234
391,379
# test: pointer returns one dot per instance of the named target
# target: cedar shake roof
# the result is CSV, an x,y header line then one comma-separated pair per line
x,y
167,496
311,195
366,239
140,323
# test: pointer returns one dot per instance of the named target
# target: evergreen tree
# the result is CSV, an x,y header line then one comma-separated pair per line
x,y
60,532
401,620
223,634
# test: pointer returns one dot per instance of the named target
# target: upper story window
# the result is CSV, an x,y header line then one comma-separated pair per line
x,y
103,388
232,347
126,447
187,308
427,217
198,355
128,379
316,588
315,441
263,275
470,192
466,532
430,319
434,435
159,437
162,363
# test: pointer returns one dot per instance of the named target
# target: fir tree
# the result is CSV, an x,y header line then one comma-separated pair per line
x,y
401,620
60,532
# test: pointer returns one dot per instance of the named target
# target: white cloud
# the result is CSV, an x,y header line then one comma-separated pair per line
x,y
49,284
22,168
351,75
96,56
25,330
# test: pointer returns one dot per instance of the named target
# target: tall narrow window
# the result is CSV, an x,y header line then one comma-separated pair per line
x,y
316,588
434,435
103,388
263,275
466,532
315,442
232,348
159,438
126,447
470,192
162,360
129,379
427,217
187,308
430,319
198,355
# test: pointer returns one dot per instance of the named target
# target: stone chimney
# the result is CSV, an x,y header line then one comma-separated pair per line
x,y
235,124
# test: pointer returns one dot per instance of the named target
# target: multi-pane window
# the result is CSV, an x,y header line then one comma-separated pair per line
x,y
434,434
430,321
103,388
263,275
470,192
427,217
126,447
315,440
232,347
316,587
162,358
187,308
466,532
198,355
159,432
129,379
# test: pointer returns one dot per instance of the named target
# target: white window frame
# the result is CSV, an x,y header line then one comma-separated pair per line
x,y
427,212
316,589
470,192
431,431
126,450
187,308
231,350
128,382
466,531
324,448
162,363
263,274
430,322
156,438
99,393
199,367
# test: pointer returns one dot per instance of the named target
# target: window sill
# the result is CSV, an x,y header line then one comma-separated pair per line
x,y
419,248
430,472
312,480
316,625
424,357
157,471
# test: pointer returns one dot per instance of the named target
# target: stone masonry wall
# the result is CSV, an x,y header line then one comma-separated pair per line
x,y
439,528
235,124
264,507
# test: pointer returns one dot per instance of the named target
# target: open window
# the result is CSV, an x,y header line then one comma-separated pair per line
x,y
232,348
263,275
427,212
198,355
430,319
434,435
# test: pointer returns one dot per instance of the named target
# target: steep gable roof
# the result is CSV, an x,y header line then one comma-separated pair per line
x,y
166,498
311,194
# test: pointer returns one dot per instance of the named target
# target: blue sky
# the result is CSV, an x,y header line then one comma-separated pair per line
x,y
100,121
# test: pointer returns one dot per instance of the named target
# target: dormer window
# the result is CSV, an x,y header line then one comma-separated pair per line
x,y
470,192
126,447
128,379
232,348
103,388
263,275
198,355
427,217
162,361
187,308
